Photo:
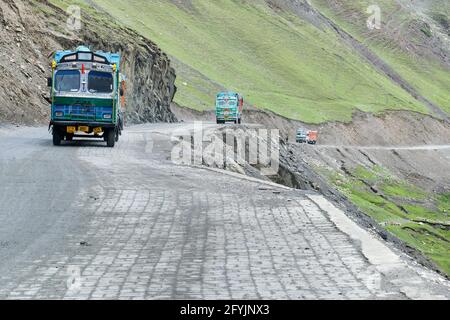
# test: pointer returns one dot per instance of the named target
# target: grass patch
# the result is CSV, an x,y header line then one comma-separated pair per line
x,y
433,242
429,77
376,207
375,173
444,203
362,173
420,212
421,224
401,189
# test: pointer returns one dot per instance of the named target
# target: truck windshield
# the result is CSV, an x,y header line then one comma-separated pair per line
x,y
67,81
225,103
100,82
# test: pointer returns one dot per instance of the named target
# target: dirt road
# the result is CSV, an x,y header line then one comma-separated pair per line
x,y
83,221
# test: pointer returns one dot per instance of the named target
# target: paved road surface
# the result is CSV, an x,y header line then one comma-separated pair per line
x,y
83,221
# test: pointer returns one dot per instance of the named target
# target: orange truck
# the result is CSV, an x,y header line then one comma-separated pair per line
x,y
311,137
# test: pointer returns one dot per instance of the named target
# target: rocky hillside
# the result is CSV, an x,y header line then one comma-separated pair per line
x,y
31,30
309,60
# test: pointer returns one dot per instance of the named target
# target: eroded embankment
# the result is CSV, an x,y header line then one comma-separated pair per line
x,y
31,30
391,128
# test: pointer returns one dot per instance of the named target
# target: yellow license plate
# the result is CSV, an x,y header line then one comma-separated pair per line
x,y
98,130
71,129
83,128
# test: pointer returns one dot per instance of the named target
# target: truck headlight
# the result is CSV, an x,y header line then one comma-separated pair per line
x,y
107,116
59,114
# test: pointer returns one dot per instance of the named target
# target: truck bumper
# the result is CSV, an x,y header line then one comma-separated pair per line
x,y
82,123
227,118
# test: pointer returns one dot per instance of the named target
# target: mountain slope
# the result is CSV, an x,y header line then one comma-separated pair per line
x,y
282,55
413,40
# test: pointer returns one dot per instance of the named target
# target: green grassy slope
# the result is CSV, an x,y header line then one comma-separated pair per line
x,y
406,40
417,217
278,61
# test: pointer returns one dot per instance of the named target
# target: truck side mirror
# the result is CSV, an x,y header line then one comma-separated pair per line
x,y
49,82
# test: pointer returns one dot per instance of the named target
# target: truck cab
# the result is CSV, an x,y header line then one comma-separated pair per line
x,y
87,96
301,136
312,137
229,107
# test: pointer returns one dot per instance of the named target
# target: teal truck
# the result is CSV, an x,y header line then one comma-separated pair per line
x,y
229,107
87,96
301,136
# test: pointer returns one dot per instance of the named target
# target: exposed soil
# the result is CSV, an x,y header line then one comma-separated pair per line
x,y
391,128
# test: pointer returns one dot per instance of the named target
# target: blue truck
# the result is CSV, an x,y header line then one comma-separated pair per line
x,y
229,107
87,96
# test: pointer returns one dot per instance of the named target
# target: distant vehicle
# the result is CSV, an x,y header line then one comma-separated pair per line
x,y
301,136
87,96
229,107
312,137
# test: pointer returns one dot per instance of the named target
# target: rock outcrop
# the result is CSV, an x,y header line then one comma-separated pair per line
x,y
31,30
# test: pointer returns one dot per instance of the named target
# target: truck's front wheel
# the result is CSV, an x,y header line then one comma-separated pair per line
x,y
111,138
56,137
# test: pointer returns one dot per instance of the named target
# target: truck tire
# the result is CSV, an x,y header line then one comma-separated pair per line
x,y
239,121
111,138
56,137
